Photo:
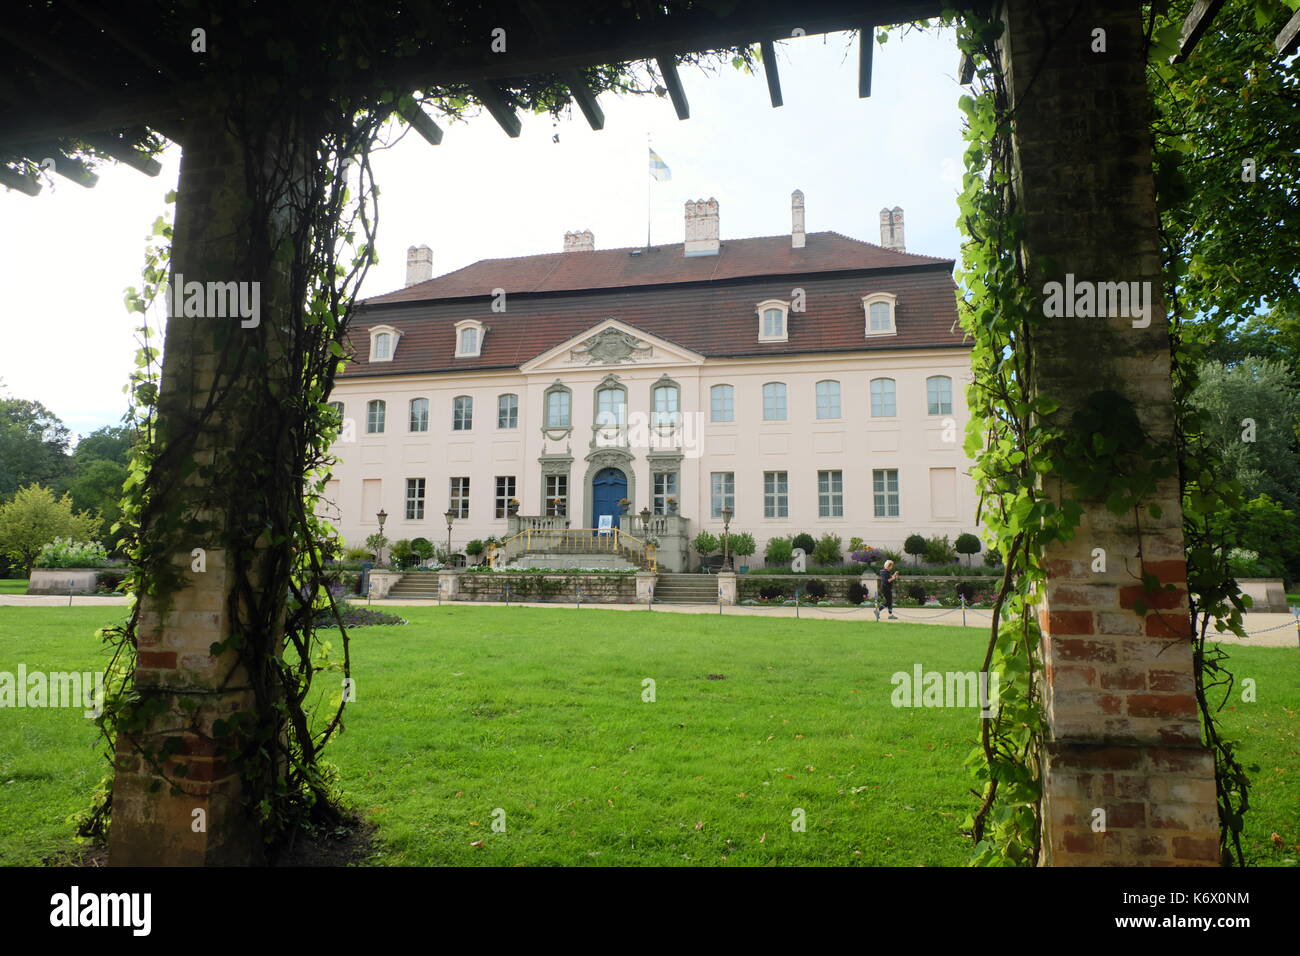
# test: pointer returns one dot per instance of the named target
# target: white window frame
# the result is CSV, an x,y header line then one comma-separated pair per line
x,y
776,494
412,421
415,499
375,332
722,492
480,330
458,497
881,497
874,298
372,406
462,413
511,409
784,307
506,488
830,493
941,411
838,395
871,397
727,406
785,402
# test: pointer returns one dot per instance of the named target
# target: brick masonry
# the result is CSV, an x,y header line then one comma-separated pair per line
x,y
1124,734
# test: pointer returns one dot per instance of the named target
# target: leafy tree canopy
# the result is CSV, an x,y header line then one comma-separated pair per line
x,y
35,517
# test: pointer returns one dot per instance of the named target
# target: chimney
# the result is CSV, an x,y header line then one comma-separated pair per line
x,y
579,241
419,264
891,229
797,237
702,227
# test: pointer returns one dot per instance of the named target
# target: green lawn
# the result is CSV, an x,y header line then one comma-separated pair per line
x,y
13,585
539,712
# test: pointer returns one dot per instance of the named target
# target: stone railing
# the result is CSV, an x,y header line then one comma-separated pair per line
x,y
518,523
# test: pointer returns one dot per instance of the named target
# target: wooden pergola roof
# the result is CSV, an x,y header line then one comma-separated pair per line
x,y
104,74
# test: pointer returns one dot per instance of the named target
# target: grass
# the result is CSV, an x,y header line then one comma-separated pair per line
x,y
13,585
539,712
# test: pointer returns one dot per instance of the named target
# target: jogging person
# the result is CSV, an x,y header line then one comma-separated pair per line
x,y
886,593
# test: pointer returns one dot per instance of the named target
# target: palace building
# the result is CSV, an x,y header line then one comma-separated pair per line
x,y
803,382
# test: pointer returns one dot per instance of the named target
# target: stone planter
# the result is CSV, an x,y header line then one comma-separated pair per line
x,y
62,580
1267,594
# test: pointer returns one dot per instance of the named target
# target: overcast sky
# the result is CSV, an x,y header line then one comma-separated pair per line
x,y
67,255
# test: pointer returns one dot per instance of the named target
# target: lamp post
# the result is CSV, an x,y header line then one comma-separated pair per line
x,y
726,542
382,516
645,521
449,514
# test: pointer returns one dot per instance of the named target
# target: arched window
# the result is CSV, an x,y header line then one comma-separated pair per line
x,y
375,416
879,307
883,402
469,338
508,411
938,395
828,399
383,349
722,402
462,413
337,409
773,315
419,415
774,406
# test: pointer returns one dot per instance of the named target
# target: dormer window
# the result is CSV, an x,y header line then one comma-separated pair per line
x,y
879,308
383,343
469,338
773,316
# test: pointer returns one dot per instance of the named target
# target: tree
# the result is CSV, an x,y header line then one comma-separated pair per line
x,y
779,551
743,544
967,544
827,551
805,541
915,546
35,517
33,445
705,543
110,443
1252,413
98,487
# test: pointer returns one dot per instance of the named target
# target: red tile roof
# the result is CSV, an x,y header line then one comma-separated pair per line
x,y
617,268
715,318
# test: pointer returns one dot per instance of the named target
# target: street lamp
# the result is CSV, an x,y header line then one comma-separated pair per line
x,y
382,516
726,542
449,514
645,520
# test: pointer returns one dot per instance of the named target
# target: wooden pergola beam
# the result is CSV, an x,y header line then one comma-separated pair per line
x,y
585,99
1288,41
1194,27
120,37
506,117
422,123
676,92
866,47
28,185
770,71
66,166
122,151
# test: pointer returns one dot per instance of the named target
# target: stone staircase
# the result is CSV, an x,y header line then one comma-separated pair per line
x,y
416,586
686,589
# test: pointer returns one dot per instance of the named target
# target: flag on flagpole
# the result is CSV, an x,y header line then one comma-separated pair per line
x,y
658,168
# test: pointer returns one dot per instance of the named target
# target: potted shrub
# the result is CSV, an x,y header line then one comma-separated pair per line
x,y
805,541
623,505
705,544
742,546
474,549
915,546
670,503
512,507
967,544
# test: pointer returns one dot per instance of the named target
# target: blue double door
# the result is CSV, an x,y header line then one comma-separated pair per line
x,y
607,488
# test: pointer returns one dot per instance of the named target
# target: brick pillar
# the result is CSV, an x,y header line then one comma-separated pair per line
x,y
151,825
1124,732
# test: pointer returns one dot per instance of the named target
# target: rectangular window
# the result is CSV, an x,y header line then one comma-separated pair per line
x,y
723,484
828,399
505,491
507,411
774,402
557,410
665,487
776,494
884,484
665,406
883,403
460,497
419,415
557,495
938,395
462,414
830,494
414,499
723,403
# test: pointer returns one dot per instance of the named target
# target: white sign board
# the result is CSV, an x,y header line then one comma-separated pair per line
x,y
606,524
